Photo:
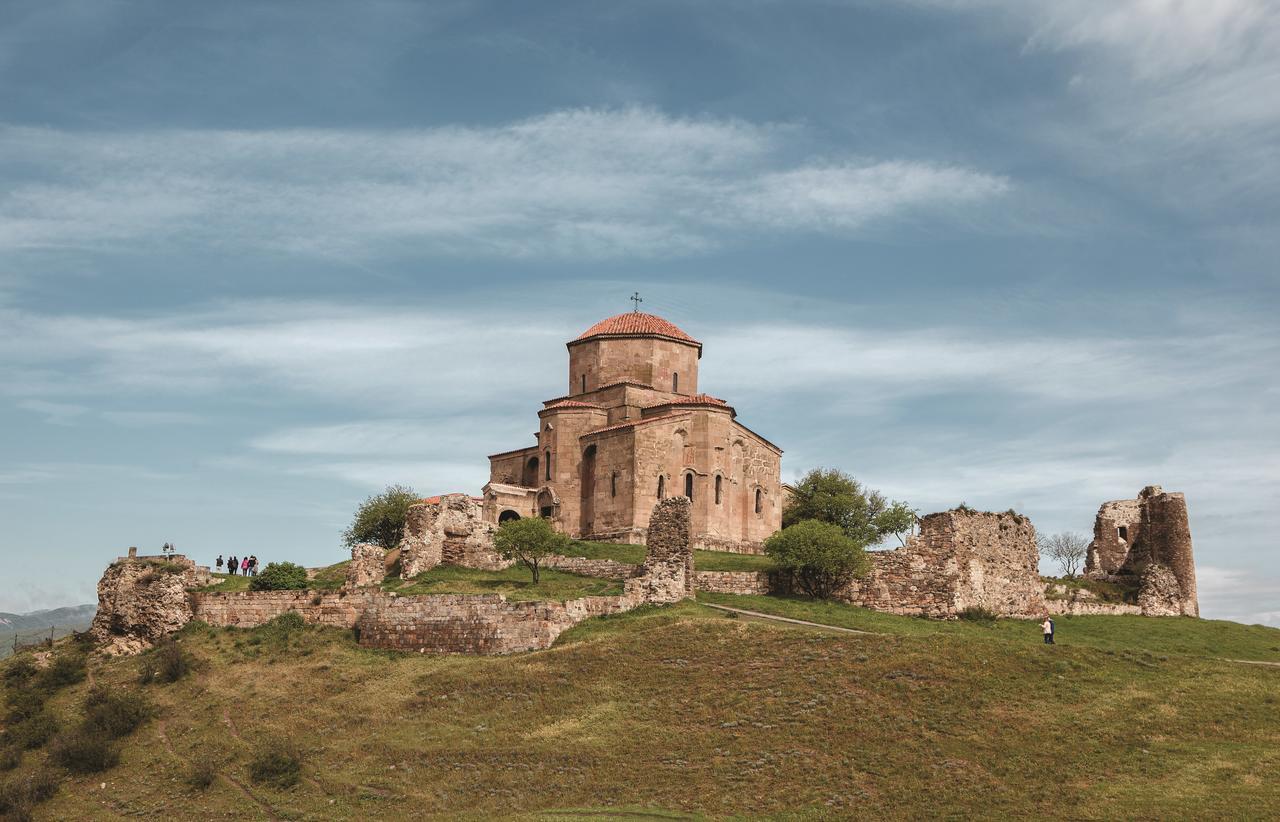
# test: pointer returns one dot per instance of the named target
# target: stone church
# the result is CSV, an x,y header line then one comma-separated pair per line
x,y
635,428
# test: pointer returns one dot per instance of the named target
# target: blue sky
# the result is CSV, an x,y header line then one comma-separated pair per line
x,y
259,260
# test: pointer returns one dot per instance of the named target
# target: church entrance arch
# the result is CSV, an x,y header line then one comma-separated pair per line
x,y
529,478
507,516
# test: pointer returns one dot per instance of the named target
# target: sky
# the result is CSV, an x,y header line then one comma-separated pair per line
x,y
260,260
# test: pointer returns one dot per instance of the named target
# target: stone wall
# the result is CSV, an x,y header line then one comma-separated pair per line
x,y
1082,607
450,530
734,582
1156,532
367,566
667,574
249,609
141,599
960,559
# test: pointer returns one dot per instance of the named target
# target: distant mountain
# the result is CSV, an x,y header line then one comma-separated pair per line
x,y
36,625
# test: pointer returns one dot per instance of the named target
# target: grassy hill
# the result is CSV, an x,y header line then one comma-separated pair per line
x,y
683,712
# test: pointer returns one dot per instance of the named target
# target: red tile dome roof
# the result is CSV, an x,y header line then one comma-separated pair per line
x,y
636,323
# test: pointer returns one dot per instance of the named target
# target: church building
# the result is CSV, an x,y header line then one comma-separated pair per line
x,y
632,429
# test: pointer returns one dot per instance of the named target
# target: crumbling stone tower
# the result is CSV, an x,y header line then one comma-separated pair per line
x,y
1135,540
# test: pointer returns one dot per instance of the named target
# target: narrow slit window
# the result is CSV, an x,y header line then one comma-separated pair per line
x,y
688,485
759,501
613,484
718,479
675,382
584,383
662,487
548,460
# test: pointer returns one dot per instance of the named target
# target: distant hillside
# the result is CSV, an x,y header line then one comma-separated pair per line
x,y
36,625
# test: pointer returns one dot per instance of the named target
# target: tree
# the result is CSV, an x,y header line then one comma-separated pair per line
x,y
529,541
830,495
1067,549
280,576
380,518
898,519
822,559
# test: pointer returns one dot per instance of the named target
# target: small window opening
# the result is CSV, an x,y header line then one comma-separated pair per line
x,y
759,501
584,383
718,478
1123,533
613,484
662,487
548,461
688,485
675,382
545,512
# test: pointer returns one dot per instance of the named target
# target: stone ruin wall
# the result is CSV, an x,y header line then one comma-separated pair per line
x,y
451,531
960,559
1156,558
138,605
735,582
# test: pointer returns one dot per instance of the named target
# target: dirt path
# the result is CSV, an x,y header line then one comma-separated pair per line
x,y
762,617
1252,662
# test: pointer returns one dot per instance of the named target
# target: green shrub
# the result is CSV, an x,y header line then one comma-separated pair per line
x,y
380,519
819,556
280,576
978,614
67,669
10,758
114,714
201,774
25,702
168,662
20,672
18,797
34,730
83,752
276,762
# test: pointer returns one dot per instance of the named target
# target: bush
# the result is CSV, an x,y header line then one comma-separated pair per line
x,y
82,752
819,556
18,797
114,715
20,672
280,576
34,730
167,663
10,758
978,614
380,519
67,669
201,774
277,762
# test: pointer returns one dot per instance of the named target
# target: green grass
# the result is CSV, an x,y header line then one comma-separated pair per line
x,y
516,583
227,582
1104,591
330,578
703,560
1163,635
680,712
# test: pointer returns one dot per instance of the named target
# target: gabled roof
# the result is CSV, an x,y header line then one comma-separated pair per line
x,y
636,324
634,423
573,404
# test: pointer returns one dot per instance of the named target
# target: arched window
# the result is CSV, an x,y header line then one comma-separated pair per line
x,y
675,382
584,383
662,487
613,484
547,458
718,479
759,500
688,485
507,516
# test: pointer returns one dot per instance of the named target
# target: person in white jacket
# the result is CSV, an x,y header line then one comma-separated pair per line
x,y
1047,627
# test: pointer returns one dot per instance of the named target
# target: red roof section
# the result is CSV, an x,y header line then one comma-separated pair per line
x,y
634,423
636,323
573,404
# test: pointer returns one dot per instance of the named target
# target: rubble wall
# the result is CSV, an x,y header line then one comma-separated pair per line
x,y
451,530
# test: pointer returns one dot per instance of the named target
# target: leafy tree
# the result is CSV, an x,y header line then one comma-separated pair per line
x,y
1067,549
822,559
280,576
830,495
380,518
529,541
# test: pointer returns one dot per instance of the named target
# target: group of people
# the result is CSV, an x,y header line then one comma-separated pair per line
x,y
248,566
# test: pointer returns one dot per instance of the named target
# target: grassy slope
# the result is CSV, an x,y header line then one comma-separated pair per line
x,y
683,709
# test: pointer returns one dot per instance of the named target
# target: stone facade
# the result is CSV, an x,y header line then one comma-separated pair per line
x,y
634,429
1129,536
368,565
450,530
960,559
141,599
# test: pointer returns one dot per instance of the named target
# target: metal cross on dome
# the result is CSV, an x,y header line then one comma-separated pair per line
x,y
637,299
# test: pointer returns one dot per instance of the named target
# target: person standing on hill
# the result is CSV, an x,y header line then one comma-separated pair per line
x,y
244,566
231,565
219,563
253,565
1047,627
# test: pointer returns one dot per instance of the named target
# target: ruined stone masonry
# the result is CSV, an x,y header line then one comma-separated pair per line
x,y
960,559
1145,543
141,600
448,530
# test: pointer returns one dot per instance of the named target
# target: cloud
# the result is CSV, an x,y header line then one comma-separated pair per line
x,y
579,183
1238,594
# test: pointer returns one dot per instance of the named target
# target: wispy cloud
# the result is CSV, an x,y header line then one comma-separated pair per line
x,y
582,183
